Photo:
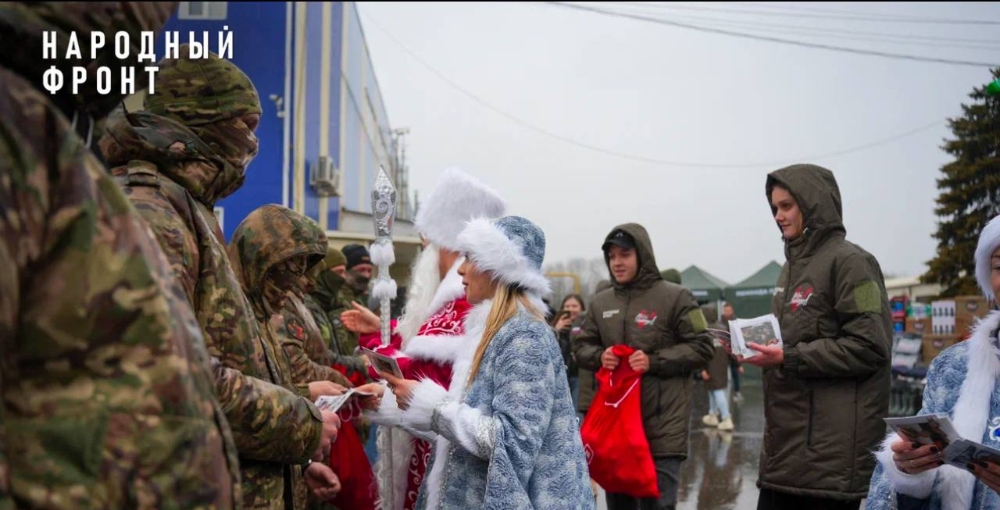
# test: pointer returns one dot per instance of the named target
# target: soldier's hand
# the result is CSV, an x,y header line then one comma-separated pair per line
x,y
360,320
322,481
325,389
609,360
331,426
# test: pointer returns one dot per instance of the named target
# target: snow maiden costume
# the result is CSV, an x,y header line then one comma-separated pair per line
x,y
428,335
508,440
962,382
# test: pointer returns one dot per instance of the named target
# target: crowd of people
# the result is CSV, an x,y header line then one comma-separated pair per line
x,y
148,363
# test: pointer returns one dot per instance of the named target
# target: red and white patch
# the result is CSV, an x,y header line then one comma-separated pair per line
x,y
645,319
801,297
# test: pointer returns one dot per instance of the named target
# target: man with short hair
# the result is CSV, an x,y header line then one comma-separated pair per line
x,y
663,322
359,271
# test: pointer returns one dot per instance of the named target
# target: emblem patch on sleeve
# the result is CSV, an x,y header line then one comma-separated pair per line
x,y
866,297
697,320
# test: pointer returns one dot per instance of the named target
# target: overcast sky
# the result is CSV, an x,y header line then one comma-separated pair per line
x,y
667,93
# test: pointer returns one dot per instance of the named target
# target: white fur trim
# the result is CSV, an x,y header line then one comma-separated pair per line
x,y
382,254
388,413
441,349
917,486
491,251
384,290
426,396
972,409
457,198
475,322
989,241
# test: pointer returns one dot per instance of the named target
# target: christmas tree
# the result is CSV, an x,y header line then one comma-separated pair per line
x,y
969,190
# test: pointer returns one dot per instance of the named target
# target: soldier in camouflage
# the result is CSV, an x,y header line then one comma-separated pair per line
x,y
107,390
272,248
323,299
189,149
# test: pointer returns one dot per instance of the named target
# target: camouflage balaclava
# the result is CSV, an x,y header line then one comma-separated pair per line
x,y
328,282
210,96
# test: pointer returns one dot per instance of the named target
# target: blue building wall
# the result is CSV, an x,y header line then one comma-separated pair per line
x,y
259,49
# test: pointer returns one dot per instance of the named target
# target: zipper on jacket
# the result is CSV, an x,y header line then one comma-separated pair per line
x,y
809,437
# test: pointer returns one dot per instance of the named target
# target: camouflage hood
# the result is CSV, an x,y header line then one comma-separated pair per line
x,y
269,236
23,24
177,151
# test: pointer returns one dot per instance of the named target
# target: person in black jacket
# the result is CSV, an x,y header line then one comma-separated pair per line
x,y
567,320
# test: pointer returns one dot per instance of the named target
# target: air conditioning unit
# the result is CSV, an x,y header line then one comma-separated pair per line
x,y
325,178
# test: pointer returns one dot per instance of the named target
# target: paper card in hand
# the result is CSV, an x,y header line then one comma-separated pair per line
x,y
933,429
335,402
383,363
763,330
331,404
964,452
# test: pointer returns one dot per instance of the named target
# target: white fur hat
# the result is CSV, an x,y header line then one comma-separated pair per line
x,y
989,241
457,199
511,248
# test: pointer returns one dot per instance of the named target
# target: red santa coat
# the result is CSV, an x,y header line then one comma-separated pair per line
x,y
430,354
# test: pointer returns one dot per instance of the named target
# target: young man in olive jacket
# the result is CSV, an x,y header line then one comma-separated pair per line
x,y
827,389
664,323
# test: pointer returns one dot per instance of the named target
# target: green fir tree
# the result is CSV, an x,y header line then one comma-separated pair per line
x,y
970,192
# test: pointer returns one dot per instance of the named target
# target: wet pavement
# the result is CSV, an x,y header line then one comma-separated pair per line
x,y
721,470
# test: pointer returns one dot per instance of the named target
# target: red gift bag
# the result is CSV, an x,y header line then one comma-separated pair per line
x,y
614,439
358,489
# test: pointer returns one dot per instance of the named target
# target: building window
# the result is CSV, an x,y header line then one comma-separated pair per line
x,y
202,10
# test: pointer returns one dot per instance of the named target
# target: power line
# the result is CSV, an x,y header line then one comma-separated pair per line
x,y
622,155
874,16
813,30
841,15
775,39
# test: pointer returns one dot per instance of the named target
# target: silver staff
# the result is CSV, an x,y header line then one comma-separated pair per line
x,y
383,256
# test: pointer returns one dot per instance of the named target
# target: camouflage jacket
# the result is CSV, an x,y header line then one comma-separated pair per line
x,y
106,382
332,331
272,425
267,237
303,344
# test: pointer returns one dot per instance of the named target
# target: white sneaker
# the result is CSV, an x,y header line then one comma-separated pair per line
x,y
738,397
711,420
727,424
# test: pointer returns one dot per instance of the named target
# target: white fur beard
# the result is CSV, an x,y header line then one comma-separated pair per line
x,y
424,281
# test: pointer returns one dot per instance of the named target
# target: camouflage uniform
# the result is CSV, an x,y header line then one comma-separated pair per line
x,y
106,382
304,344
172,164
262,249
323,300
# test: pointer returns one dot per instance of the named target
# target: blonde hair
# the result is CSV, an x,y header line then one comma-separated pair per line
x,y
503,309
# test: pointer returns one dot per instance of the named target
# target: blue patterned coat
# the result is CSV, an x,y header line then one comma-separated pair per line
x,y
962,382
510,440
